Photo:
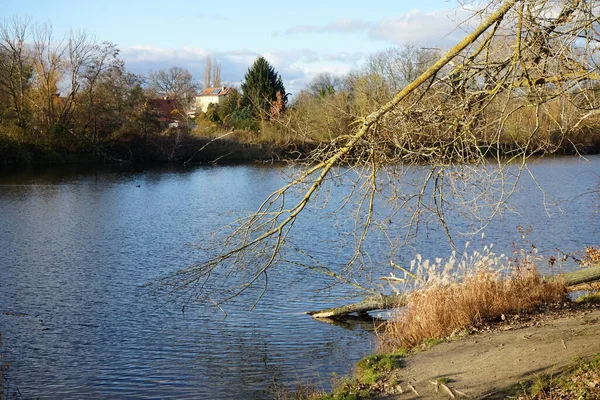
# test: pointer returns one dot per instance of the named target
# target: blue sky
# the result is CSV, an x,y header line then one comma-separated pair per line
x,y
301,39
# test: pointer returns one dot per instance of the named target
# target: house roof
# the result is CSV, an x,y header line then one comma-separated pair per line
x,y
216,91
165,108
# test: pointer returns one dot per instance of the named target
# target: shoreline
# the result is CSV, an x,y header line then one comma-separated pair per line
x,y
498,359
195,149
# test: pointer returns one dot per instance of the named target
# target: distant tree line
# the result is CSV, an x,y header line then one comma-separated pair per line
x,y
61,97
330,106
64,99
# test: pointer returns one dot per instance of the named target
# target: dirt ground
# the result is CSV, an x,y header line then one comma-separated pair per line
x,y
480,365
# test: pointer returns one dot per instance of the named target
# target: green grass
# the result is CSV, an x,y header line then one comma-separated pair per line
x,y
371,374
590,298
369,370
581,380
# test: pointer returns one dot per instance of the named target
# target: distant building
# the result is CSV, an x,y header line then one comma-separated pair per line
x,y
167,111
211,96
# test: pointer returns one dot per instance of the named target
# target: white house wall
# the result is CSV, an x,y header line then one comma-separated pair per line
x,y
202,102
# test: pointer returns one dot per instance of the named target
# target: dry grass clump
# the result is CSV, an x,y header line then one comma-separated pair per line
x,y
455,302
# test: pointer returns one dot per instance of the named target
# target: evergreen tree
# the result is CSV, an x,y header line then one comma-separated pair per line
x,y
260,87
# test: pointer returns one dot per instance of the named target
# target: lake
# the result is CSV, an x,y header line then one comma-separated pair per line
x,y
80,243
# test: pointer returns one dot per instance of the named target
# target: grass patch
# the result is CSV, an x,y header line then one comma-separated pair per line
x,y
580,381
456,299
372,375
369,370
589,298
300,391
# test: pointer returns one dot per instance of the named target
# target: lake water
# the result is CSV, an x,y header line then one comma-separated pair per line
x,y
77,246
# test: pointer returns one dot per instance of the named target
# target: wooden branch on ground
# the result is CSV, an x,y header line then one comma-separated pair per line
x,y
583,275
573,280
370,303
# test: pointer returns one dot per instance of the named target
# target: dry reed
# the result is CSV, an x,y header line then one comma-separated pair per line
x,y
454,302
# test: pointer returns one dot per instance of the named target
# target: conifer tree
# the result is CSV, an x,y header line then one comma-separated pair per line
x,y
260,87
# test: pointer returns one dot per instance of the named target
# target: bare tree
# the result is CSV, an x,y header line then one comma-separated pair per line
x,y
105,59
325,84
45,81
440,145
49,66
398,66
177,84
59,69
208,73
216,70
15,66
80,52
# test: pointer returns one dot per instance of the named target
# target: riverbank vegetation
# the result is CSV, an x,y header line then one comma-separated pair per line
x,y
72,99
461,294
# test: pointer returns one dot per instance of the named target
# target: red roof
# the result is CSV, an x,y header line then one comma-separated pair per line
x,y
165,107
218,91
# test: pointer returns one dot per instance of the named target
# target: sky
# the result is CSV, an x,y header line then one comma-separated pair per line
x,y
301,39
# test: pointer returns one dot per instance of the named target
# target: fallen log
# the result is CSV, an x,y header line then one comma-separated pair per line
x,y
371,303
573,280
580,276
365,322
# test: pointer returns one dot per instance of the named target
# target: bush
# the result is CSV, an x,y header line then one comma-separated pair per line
x,y
14,152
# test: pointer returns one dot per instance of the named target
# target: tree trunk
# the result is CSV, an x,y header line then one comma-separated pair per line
x,y
585,275
368,304
573,281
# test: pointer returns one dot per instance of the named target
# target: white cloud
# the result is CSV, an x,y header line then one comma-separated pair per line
x,y
143,59
429,28
297,67
433,28
147,53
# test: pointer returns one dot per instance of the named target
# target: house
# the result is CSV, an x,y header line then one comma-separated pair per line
x,y
167,111
211,96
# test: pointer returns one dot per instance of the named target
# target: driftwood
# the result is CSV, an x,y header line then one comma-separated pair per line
x,y
351,322
371,303
583,275
575,281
